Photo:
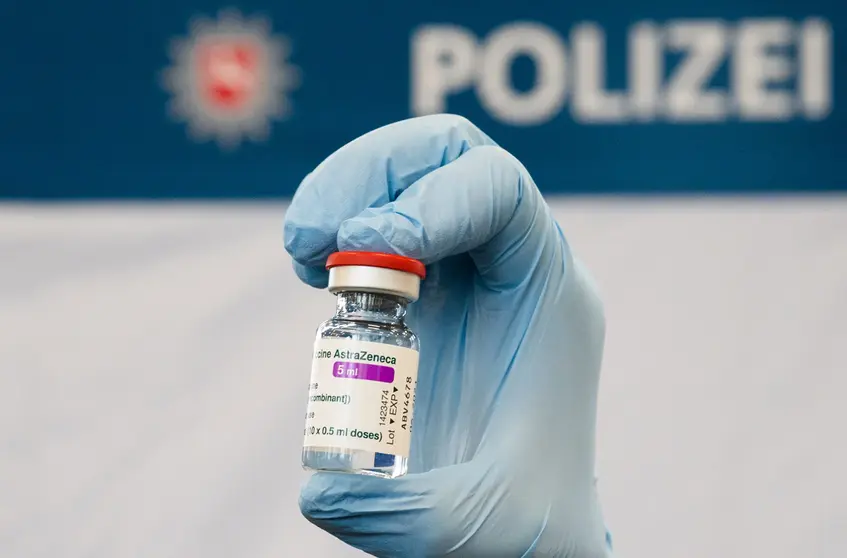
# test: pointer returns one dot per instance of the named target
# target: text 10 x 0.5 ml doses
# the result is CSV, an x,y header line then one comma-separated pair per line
x,y
364,368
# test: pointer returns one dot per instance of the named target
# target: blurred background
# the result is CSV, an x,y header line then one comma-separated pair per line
x,y
155,343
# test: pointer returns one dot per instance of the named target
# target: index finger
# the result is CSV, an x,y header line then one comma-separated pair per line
x,y
369,172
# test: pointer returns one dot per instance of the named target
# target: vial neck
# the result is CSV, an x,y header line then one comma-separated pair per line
x,y
370,307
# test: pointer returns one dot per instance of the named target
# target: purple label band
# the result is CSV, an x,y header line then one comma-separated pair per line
x,y
362,371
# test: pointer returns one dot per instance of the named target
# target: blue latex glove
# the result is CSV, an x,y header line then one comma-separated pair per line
x,y
511,333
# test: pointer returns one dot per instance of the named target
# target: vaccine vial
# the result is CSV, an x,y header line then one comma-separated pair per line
x,y
364,368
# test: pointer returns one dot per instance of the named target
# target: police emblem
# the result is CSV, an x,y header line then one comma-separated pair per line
x,y
230,79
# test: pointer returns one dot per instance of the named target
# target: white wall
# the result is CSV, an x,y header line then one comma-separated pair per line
x,y
153,363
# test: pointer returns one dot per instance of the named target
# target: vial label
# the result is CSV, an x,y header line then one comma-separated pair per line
x,y
361,396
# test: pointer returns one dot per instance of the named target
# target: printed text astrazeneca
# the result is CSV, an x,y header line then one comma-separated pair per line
x,y
360,355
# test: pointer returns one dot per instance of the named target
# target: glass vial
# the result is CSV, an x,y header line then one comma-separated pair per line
x,y
364,368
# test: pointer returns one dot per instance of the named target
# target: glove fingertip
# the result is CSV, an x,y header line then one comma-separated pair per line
x,y
316,277
308,243
310,502
331,496
383,231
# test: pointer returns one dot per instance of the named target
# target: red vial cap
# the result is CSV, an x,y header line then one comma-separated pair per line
x,y
377,259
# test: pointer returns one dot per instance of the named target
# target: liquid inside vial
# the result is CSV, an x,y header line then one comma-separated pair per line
x,y
368,399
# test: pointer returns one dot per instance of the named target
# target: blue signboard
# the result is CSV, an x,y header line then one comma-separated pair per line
x,y
195,99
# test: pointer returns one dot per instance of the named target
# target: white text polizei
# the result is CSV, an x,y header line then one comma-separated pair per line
x,y
778,70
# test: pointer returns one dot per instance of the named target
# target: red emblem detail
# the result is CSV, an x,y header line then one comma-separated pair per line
x,y
228,72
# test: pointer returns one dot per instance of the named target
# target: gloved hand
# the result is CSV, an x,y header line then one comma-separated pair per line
x,y
511,333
